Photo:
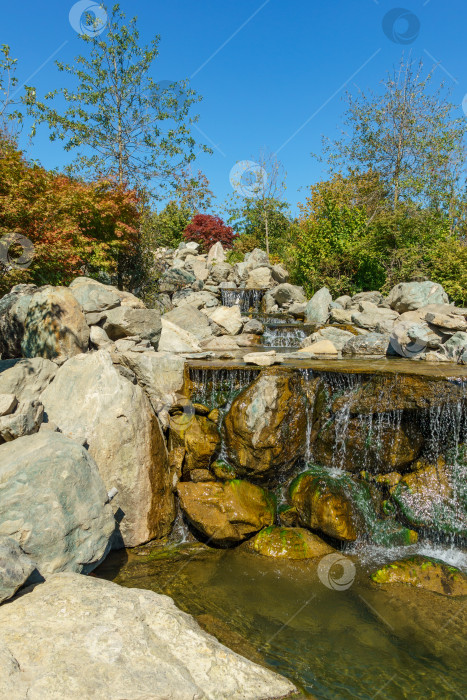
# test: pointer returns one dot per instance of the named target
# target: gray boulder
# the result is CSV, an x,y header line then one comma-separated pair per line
x,y
409,296
455,347
161,376
54,326
253,326
372,297
15,567
13,309
216,254
124,322
447,322
257,258
191,320
61,519
317,309
90,400
199,300
94,297
371,344
99,337
26,379
341,316
343,301
336,336
260,278
174,279
288,294
82,637
176,339
370,320
8,403
280,274
220,272
412,338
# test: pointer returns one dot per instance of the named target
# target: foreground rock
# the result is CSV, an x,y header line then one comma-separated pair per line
x,y
226,512
423,572
26,379
90,400
289,543
15,567
266,425
76,636
60,519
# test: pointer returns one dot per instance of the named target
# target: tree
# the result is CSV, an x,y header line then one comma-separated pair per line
x,y
10,116
249,223
264,186
407,133
125,125
75,227
208,230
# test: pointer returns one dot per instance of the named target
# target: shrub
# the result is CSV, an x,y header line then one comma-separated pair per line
x,y
207,230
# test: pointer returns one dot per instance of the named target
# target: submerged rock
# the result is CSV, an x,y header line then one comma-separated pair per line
x,y
265,429
423,572
87,638
226,512
289,543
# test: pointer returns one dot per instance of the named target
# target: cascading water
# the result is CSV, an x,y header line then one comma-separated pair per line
x,y
249,300
216,388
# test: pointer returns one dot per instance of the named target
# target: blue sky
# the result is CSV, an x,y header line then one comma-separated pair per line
x,y
272,72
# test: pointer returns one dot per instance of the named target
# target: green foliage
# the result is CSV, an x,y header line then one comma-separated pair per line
x,y
165,228
123,123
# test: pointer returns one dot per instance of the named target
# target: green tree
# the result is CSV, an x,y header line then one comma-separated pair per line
x,y
10,115
409,134
254,230
124,124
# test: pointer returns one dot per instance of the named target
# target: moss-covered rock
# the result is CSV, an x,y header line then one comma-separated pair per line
x,y
199,436
223,471
226,512
265,429
289,543
423,572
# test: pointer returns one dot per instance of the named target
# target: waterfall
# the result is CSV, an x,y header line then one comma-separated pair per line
x,y
247,299
284,336
218,387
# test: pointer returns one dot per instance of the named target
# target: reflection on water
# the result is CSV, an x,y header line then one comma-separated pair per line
x,y
362,642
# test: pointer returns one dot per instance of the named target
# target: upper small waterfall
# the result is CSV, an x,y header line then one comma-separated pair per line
x,y
246,299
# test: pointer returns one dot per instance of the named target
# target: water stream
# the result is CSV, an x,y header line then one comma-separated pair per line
x,y
249,300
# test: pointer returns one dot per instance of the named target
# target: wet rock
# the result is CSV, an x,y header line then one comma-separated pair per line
x,y
253,326
60,520
199,436
265,428
54,326
371,344
374,443
288,516
226,512
223,471
190,320
201,475
175,339
409,296
289,543
124,321
432,497
15,567
262,359
423,572
26,379
90,400
317,309
88,638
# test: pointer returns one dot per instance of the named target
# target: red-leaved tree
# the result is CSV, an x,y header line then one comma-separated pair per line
x,y
206,230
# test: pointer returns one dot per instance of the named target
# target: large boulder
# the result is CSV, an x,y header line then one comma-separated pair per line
x,y
60,519
174,279
54,326
257,258
92,296
90,400
288,294
191,320
260,278
81,637
176,339
317,309
216,254
382,320
26,419
336,336
26,379
280,274
199,300
408,296
371,344
226,512
200,438
123,321
228,318
160,374
15,567
265,429
220,272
